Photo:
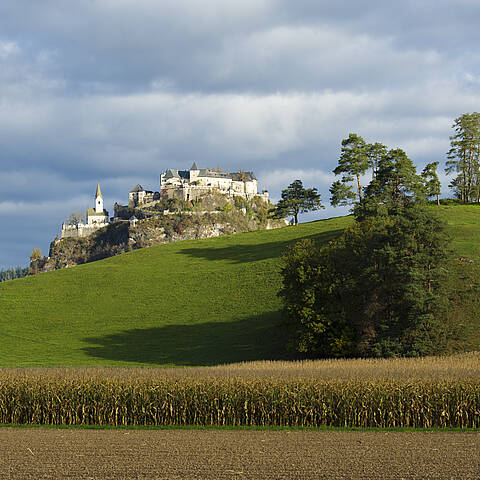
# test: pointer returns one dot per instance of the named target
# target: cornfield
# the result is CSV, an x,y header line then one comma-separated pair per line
x,y
402,393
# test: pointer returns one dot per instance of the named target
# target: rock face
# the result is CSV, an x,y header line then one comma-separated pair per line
x,y
124,235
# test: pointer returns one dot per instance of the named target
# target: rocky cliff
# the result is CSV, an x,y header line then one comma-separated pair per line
x,y
155,228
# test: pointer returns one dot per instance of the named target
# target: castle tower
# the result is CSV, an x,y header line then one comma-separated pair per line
x,y
98,200
194,171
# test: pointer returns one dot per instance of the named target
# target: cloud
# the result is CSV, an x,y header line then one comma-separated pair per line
x,y
117,91
279,179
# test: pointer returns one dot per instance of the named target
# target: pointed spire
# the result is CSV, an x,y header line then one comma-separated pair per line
x,y
99,192
194,166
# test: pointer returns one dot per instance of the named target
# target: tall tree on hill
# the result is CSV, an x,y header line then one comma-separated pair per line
x,y
353,163
376,290
295,200
375,153
395,185
464,157
431,181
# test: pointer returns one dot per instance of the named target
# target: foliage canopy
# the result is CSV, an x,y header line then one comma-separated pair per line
x,y
376,290
295,200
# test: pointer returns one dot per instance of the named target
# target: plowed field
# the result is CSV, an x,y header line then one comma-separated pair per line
x,y
221,454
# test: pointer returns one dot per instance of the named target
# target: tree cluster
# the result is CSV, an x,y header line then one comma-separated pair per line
x,y
12,273
374,162
376,290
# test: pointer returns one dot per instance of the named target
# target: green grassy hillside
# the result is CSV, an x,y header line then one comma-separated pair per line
x,y
200,302
196,302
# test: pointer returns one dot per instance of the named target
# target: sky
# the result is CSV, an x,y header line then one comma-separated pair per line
x,y
116,91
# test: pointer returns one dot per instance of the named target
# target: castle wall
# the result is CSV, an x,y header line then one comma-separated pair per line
x,y
99,219
80,230
251,187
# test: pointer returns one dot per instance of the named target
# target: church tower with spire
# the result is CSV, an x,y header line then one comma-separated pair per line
x,y
98,200
97,215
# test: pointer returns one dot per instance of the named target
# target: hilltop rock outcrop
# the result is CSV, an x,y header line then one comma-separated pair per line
x,y
149,227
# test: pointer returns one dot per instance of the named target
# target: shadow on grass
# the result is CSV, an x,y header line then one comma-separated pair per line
x,y
253,253
257,338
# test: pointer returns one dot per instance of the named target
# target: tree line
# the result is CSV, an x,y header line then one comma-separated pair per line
x,y
12,273
361,161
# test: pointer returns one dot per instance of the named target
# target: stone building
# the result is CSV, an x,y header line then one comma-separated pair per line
x,y
139,196
192,184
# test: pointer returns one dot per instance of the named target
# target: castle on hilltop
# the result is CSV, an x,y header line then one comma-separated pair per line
x,y
186,185
192,184
97,217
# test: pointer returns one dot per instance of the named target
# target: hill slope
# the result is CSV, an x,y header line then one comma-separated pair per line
x,y
199,302
195,302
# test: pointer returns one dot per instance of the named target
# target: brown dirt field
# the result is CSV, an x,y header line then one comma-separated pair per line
x,y
232,454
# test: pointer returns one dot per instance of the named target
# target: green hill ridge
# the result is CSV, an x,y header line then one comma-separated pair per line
x,y
199,302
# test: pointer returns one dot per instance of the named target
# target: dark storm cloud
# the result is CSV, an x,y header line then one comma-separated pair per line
x,y
118,90
249,45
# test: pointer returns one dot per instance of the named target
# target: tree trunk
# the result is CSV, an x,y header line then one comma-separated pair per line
x,y
438,200
359,187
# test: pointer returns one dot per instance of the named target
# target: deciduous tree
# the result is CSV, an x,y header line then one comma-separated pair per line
x,y
75,218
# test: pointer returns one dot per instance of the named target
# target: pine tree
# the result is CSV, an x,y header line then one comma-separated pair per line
x,y
464,157
375,153
431,181
12,273
395,185
353,163
295,200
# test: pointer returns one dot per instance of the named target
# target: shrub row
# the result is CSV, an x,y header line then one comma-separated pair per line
x,y
236,401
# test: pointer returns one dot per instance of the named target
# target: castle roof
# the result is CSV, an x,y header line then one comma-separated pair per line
x,y
99,192
206,172
137,188
169,173
209,173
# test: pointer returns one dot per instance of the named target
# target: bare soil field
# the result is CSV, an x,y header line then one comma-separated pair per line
x,y
40,453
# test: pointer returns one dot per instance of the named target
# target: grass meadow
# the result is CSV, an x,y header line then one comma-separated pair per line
x,y
191,303
200,302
